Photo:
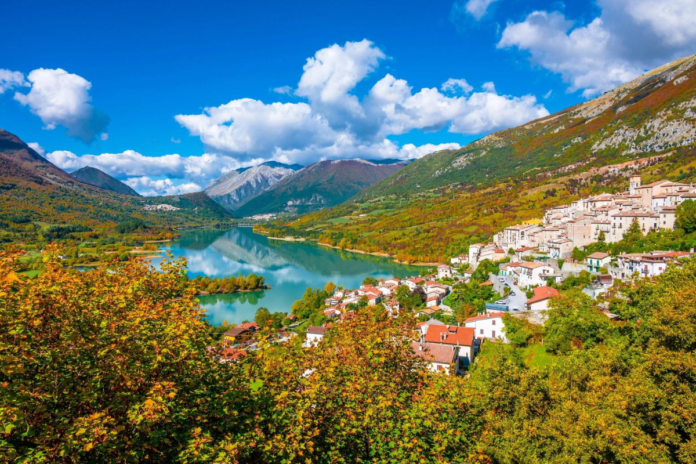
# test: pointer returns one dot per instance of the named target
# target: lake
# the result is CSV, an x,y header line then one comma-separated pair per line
x,y
288,267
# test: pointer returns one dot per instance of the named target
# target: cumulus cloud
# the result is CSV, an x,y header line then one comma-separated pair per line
x,y
627,39
455,85
334,123
11,79
189,170
62,99
157,187
37,148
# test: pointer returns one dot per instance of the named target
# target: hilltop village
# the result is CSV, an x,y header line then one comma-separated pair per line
x,y
516,275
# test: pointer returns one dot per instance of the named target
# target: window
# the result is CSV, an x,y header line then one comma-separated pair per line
x,y
481,331
493,322
493,333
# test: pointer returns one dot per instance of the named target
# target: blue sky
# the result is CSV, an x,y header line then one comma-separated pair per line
x,y
169,95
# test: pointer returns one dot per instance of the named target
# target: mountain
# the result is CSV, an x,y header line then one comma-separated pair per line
x,y
235,188
436,206
35,195
320,185
22,166
651,114
97,178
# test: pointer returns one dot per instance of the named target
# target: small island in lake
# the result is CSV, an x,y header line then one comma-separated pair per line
x,y
221,285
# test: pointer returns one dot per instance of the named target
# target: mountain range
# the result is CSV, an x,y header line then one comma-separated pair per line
x,y
320,185
35,191
434,207
237,187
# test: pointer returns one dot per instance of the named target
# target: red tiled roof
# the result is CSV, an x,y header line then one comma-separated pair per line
x,y
316,330
542,293
450,335
598,255
249,325
435,353
485,316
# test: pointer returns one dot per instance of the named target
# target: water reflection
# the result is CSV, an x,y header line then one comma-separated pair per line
x,y
289,267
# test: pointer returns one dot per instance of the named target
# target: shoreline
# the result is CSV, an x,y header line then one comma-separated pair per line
x,y
262,289
381,255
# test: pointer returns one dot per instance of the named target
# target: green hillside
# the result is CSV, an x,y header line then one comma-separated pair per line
x,y
652,114
436,206
97,178
36,196
320,185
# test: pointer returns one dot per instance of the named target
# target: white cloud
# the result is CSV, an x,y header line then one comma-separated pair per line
x,y
410,151
158,187
453,85
332,73
478,8
627,39
430,110
61,98
193,170
334,123
173,140
37,148
283,90
10,79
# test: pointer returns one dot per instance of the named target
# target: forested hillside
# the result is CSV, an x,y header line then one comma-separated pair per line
x,y
321,185
36,196
434,207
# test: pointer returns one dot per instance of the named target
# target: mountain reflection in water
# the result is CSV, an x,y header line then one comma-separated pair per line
x,y
289,268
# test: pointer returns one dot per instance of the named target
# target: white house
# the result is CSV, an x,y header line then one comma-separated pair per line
x,y
453,336
488,326
647,265
444,271
314,335
413,282
597,260
540,300
531,274
440,358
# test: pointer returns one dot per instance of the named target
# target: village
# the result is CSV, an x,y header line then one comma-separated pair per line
x,y
528,261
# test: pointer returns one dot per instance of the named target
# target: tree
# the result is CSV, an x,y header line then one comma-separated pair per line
x,y
573,321
686,216
330,288
109,365
369,280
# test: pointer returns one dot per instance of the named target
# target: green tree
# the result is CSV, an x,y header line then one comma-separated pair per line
x,y
686,216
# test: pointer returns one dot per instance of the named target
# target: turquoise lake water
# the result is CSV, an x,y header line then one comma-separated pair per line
x,y
288,267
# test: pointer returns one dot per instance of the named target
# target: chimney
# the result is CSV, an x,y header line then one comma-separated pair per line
x,y
420,347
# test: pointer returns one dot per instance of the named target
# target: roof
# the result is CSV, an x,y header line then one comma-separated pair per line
x,y
434,352
531,265
312,329
598,255
605,278
249,325
433,298
450,335
542,293
485,316
236,332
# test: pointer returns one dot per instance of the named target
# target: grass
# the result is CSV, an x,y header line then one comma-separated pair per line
x,y
31,274
536,355
340,220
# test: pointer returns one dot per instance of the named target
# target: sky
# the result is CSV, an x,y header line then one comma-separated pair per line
x,y
167,96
